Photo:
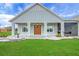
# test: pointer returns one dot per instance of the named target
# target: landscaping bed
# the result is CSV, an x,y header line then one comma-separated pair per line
x,y
5,34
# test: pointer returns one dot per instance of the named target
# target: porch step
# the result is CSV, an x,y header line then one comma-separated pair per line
x,y
23,36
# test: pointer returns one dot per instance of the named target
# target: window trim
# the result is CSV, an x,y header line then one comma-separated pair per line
x,y
24,29
49,29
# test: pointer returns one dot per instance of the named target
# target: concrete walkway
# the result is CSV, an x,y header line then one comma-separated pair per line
x,y
6,39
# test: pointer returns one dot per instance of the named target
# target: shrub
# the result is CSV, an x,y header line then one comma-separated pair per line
x,y
5,34
58,34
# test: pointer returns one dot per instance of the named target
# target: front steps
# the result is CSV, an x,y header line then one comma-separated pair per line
x,y
22,36
27,37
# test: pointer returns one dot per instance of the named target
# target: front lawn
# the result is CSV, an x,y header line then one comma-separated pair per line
x,y
40,48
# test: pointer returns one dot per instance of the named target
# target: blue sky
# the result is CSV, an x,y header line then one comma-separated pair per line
x,y
10,10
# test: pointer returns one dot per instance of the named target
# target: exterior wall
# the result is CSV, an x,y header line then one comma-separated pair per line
x,y
37,14
54,27
20,27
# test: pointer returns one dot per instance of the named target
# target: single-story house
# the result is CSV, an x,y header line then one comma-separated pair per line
x,y
39,20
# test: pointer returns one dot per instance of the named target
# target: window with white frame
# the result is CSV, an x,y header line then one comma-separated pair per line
x,y
50,29
24,29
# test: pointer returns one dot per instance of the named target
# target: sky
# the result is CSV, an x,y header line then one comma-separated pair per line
x,y
10,10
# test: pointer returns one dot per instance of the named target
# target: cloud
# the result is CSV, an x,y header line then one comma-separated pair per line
x,y
6,8
4,20
10,10
66,10
67,15
52,8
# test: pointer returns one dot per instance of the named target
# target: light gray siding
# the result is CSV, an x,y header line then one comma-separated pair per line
x,y
37,14
54,27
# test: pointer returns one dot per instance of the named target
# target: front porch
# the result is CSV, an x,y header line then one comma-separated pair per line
x,y
39,29
48,30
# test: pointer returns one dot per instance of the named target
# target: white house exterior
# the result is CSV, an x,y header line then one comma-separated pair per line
x,y
39,20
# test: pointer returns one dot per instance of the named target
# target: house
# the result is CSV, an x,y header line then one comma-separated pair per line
x,y
5,29
39,20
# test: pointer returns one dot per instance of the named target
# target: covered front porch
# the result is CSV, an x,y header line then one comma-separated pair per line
x,y
39,29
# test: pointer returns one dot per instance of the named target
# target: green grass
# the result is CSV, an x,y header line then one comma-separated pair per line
x,y
40,48
5,34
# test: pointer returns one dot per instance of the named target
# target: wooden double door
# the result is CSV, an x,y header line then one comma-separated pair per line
x,y
37,29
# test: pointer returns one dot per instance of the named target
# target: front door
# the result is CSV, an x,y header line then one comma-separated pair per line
x,y
37,29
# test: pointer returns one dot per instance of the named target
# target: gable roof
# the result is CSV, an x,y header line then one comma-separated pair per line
x,y
33,6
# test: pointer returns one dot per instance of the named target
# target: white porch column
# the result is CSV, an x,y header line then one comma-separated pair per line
x,y
45,28
19,28
78,28
13,29
29,26
62,28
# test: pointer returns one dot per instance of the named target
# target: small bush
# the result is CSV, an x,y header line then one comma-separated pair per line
x,y
5,34
58,34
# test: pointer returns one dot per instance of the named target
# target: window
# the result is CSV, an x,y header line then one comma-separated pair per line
x,y
49,30
25,29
